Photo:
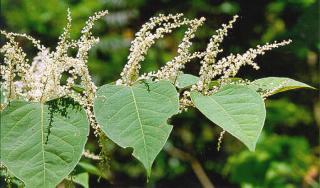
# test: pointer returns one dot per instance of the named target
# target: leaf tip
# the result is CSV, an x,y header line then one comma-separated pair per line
x,y
251,147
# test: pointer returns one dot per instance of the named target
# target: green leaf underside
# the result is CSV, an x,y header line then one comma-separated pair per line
x,y
283,84
136,116
186,80
37,158
237,109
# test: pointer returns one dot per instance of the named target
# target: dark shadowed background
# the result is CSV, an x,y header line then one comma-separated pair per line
x,y
287,154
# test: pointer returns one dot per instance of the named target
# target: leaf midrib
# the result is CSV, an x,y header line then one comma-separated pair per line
x,y
42,143
141,127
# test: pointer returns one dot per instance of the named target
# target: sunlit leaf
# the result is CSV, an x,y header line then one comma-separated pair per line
x,y
277,84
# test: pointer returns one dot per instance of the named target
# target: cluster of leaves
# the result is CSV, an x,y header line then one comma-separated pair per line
x,y
41,143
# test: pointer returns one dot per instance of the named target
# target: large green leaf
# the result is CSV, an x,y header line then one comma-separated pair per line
x,y
280,84
42,143
237,109
136,116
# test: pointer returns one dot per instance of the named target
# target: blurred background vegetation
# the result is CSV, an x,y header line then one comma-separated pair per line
x,y
288,151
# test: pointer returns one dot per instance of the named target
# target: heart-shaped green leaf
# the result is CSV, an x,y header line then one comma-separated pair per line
x,y
280,84
42,143
237,109
136,116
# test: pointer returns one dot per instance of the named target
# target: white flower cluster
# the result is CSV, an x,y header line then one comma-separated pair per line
x,y
173,67
229,66
42,79
211,54
90,155
154,29
15,65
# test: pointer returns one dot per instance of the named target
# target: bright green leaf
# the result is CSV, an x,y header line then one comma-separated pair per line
x,y
186,80
42,143
136,116
279,83
237,109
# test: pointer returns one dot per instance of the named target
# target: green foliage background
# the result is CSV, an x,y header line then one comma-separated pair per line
x,y
287,154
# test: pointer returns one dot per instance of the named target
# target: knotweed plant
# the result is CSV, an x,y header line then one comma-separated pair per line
x,y
49,103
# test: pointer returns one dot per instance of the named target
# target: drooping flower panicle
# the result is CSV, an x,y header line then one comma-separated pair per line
x,y
173,67
145,38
